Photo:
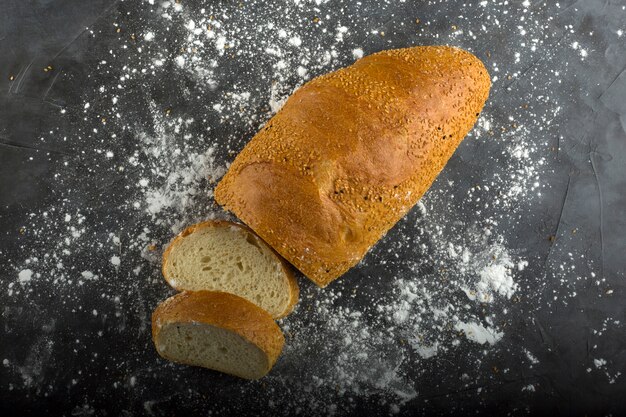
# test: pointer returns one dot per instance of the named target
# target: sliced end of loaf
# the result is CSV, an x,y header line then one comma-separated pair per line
x,y
213,348
229,257
218,331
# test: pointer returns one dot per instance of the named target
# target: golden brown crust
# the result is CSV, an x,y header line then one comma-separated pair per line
x,y
351,152
223,310
294,290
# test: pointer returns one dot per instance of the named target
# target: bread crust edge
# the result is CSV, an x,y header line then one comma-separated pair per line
x,y
223,310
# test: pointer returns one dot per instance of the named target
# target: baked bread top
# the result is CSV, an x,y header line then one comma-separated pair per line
x,y
351,152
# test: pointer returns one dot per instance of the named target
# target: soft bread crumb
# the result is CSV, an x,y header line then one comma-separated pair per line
x,y
211,347
224,256
219,331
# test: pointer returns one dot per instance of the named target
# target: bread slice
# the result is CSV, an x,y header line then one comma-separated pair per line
x,y
219,331
229,257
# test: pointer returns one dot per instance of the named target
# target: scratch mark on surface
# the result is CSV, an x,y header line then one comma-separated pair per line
x,y
461,391
545,339
16,145
475,387
619,75
21,75
69,44
53,104
558,224
595,174
112,184
531,66
525,70
578,142
17,78
51,85
105,11
21,80
569,7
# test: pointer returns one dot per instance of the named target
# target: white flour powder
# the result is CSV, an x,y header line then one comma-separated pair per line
x,y
442,287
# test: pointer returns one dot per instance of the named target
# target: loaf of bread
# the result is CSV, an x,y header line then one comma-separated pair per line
x,y
229,257
351,152
218,331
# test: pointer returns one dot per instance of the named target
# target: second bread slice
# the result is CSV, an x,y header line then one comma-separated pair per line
x,y
229,257
218,331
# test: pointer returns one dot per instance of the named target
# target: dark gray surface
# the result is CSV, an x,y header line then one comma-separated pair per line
x,y
58,363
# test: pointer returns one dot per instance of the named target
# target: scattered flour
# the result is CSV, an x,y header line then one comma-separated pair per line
x,y
478,333
357,53
366,348
496,278
448,278
532,358
87,275
183,179
25,276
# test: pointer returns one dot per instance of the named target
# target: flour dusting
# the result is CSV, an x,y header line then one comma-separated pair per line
x,y
164,116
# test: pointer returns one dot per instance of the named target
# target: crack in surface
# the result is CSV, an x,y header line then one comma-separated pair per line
x,y
595,174
528,68
16,145
105,11
560,220
51,85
